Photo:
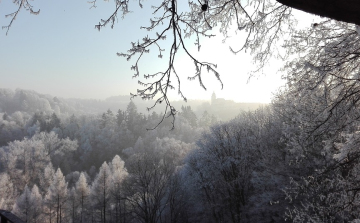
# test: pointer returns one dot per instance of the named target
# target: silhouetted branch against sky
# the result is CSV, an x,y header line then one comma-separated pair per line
x,y
266,22
177,26
22,4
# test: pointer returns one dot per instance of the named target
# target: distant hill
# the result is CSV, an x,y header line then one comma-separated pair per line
x,y
30,101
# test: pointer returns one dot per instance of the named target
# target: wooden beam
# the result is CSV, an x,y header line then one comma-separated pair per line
x,y
341,10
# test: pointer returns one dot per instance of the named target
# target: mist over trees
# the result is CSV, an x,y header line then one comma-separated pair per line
x,y
269,26
296,159
61,164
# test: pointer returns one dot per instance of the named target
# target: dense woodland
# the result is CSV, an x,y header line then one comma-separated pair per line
x,y
291,160
294,160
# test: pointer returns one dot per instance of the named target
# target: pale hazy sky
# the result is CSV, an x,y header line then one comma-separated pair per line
x,y
59,52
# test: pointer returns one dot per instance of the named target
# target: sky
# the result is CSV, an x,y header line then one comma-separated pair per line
x,y
59,52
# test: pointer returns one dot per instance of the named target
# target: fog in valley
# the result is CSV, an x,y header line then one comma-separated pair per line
x,y
176,111
94,160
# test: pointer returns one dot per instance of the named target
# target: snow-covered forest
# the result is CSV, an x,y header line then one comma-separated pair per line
x,y
296,159
292,160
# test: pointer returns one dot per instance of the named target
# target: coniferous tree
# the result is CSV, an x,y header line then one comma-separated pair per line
x,y
120,117
28,205
82,192
47,177
131,115
119,173
7,192
72,206
100,193
189,115
56,198
23,205
37,202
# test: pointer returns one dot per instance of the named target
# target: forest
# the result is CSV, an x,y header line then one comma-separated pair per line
x,y
295,160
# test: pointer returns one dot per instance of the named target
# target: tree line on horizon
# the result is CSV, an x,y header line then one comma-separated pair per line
x,y
292,160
